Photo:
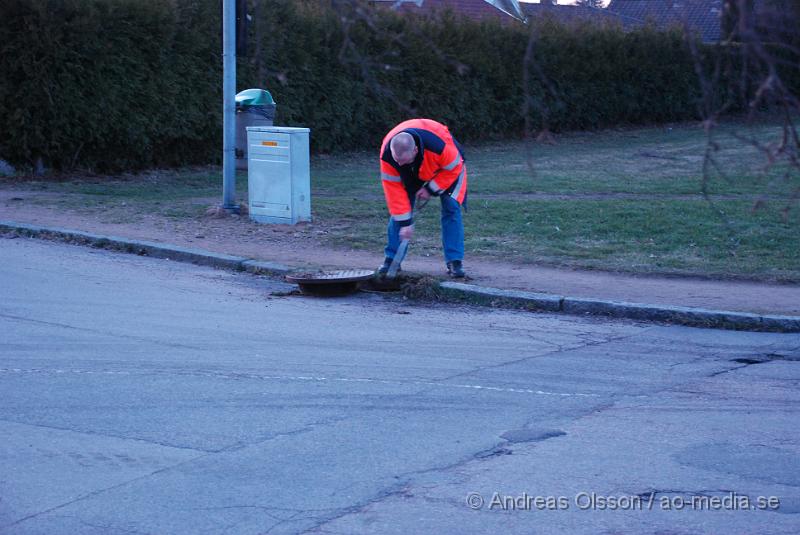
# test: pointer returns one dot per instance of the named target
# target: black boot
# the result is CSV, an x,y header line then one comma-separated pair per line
x,y
384,269
455,269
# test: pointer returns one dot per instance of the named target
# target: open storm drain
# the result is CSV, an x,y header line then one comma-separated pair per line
x,y
330,282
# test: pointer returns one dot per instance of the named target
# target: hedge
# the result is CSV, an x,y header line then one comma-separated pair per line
x,y
127,84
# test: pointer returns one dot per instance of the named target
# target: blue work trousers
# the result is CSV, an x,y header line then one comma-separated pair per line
x,y
452,231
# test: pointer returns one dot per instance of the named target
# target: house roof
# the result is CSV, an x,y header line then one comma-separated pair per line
x,y
481,9
474,9
702,16
568,14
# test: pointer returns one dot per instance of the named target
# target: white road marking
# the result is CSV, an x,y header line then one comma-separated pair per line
x,y
298,378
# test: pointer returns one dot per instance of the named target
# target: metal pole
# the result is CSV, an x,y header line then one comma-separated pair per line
x,y
229,106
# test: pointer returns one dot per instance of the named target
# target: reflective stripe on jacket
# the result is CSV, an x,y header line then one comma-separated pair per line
x,y
439,166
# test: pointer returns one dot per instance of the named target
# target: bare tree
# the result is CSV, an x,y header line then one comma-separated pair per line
x,y
751,73
756,69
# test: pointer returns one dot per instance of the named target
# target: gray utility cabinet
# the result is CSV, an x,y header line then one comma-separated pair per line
x,y
278,176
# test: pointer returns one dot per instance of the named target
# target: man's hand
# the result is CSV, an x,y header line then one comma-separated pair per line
x,y
406,233
423,194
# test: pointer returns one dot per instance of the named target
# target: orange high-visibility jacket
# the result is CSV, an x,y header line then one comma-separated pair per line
x,y
439,167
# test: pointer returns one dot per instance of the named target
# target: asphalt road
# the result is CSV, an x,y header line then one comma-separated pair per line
x,y
148,396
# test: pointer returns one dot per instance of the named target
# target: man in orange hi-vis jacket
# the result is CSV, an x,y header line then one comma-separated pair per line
x,y
421,159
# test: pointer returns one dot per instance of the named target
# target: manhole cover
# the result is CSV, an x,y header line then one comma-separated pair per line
x,y
330,282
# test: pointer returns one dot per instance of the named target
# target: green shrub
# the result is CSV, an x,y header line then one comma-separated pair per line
x,y
110,84
126,84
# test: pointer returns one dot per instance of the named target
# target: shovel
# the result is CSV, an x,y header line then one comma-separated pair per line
x,y
402,249
398,258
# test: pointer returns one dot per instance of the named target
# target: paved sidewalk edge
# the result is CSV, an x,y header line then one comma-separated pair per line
x,y
696,317
457,291
116,243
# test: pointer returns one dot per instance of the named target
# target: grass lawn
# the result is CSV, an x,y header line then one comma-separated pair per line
x,y
625,200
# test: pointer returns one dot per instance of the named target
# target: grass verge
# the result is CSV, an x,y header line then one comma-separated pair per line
x,y
627,200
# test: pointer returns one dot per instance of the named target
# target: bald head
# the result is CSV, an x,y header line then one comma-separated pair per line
x,y
403,148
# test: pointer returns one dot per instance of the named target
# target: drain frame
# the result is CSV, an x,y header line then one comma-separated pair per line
x,y
330,283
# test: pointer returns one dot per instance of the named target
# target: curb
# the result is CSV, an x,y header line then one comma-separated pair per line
x,y
482,295
696,317
115,243
257,267
457,291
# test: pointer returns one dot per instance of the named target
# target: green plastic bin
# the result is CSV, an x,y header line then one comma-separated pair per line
x,y
254,107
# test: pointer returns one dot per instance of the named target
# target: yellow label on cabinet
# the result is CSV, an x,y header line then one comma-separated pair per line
x,y
270,143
